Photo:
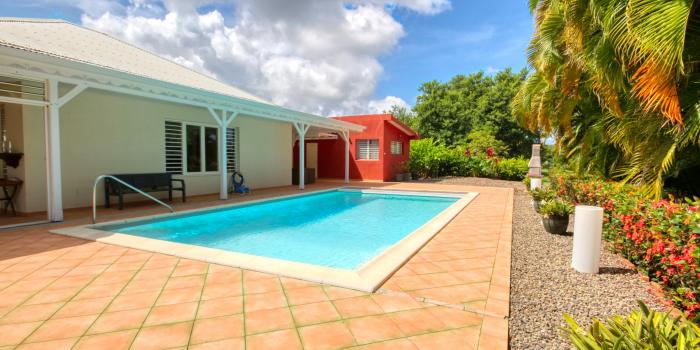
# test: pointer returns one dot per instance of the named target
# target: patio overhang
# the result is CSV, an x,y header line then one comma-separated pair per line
x,y
39,66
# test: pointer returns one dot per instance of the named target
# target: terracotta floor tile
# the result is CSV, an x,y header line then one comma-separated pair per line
x,y
455,318
178,296
487,342
315,313
357,307
83,307
120,277
465,338
220,307
51,296
171,313
133,301
423,268
326,336
293,283
163,337
12,334
286,339
264,301
218,328
59,344
99,291
226,276
306,295
335,293
396,344
419,321
185,282
154,285
226,344
222,290
114,340
62,328
190,268
250,275
265,285
30,313
395,302
261,321
119,320
373,329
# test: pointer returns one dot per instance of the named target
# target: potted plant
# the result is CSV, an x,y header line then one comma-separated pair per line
x,y
555,215
540,195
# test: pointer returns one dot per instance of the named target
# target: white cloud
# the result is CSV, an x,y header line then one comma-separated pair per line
x,y
492,70
385,104
319,56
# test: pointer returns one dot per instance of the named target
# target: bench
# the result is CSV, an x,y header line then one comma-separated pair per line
x,y
151,182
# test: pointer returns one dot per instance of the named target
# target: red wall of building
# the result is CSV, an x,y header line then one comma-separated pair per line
x,y
331,153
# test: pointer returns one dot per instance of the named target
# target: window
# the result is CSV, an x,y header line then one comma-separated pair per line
x,y
396,147
193,148
367,149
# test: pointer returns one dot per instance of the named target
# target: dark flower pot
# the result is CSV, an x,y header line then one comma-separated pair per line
x,y
399,177
555,224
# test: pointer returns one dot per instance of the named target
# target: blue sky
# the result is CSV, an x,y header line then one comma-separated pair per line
x,y
473,36
399,44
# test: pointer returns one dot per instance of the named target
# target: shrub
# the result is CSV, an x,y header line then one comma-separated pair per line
x,y
512,168
661,237
642,329
429,158
556,207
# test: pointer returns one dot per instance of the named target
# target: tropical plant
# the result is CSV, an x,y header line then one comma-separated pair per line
x,y
642,329
556,207
616,81
542,194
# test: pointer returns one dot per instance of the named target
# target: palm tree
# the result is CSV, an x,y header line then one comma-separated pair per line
x,y
617,82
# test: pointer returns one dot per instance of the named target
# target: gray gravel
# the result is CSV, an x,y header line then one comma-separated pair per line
x,y
544,287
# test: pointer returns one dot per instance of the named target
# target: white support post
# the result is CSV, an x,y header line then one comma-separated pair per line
x,y
346,136
301,130
223,120
53,152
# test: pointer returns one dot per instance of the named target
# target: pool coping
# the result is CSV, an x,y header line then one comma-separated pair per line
x,y
367,278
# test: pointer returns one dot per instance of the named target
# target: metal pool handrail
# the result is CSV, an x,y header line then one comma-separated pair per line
x,y
94,195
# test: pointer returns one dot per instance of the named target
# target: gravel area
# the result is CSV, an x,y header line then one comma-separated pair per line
x,y
544,287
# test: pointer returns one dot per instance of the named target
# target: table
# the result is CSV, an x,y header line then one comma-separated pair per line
x,y
9,191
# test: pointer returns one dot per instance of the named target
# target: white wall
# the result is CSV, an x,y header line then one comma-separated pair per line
x,y
103,132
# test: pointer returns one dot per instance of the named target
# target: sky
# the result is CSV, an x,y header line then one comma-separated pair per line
x,y
327,57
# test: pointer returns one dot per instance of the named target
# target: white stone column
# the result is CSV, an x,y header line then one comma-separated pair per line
x,y
53,152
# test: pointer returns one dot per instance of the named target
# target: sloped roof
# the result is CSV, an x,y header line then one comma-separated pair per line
x,y
61,39
361,118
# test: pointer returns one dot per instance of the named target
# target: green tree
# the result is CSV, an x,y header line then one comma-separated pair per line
x,y
404,115
449,112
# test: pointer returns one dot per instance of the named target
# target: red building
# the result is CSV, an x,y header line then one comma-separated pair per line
x,y
377,153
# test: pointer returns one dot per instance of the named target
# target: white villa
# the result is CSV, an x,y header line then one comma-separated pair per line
x,y
78,104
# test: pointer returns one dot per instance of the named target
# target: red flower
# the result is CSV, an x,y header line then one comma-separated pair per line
x,y
490,152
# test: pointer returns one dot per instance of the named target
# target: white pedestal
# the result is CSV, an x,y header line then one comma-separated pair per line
x,y
588,228
535,182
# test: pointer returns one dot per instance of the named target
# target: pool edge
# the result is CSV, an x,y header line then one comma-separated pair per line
x,y
367,278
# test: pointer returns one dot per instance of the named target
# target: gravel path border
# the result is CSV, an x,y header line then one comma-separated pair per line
x,y
544,287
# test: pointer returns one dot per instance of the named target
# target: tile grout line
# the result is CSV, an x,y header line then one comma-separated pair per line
x,y
199,302
289,307
113,298
69,300
150,309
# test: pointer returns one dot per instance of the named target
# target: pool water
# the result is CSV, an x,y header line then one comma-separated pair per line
x,y
339,229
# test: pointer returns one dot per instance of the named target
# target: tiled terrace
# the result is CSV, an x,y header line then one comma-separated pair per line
x,y
59,292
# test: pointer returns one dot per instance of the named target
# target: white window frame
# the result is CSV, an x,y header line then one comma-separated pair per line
x,y
399,144
357,150
202,151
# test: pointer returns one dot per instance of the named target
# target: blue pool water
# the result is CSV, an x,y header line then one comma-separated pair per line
x,y
340,229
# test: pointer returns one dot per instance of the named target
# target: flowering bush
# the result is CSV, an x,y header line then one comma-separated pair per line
x,y
429,158
660,237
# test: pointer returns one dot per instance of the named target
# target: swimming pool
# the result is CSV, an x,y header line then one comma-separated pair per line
x,y
347,237
340,229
